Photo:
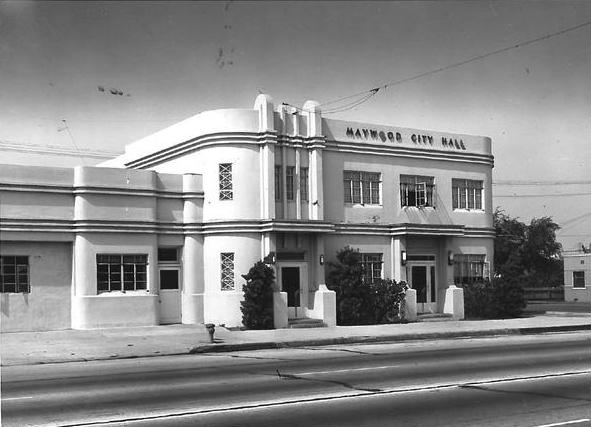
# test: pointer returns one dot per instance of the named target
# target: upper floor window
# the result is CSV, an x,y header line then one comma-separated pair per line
x,y
14,274
116,272
362,187
416,190
372,267
466,194
227,271
278,182
304,184
289,182
168,255
578,279
469,268
225,176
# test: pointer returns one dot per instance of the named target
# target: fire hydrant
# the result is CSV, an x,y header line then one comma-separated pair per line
x,y
211,330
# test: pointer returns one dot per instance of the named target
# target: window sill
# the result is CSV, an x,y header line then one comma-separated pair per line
x,y
121,294
467,210
363,205
419,207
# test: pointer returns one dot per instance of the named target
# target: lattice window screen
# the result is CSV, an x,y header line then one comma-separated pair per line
x,y
227,268
226,191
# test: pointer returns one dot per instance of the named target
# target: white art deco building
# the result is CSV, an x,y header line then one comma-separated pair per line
x,y
164,233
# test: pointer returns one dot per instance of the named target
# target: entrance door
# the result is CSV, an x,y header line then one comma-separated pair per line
x,y
422,280
291,283
170,296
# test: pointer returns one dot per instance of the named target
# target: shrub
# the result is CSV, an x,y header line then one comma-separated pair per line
x,y
257,307
387,297
496,299
353,296
359,303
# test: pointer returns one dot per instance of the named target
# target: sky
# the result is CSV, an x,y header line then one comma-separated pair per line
x,y
166,61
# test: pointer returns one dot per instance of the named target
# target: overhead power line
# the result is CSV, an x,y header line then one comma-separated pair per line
x,y
368,94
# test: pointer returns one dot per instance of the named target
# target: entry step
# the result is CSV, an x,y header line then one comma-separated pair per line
x,y
434,317
304,322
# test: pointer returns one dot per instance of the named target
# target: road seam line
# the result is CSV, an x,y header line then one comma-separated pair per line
x,y
318,399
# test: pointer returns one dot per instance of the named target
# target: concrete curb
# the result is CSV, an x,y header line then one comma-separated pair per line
x,y
222,348
319,342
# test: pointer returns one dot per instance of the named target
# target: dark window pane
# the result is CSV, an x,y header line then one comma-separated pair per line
x,y
167,254
9,287
169,279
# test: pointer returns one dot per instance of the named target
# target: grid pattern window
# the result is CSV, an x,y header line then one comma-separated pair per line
x,y
417,190
289,182
278,182
304,184
227,269
466,194
372,267
225,177
14,274
362,187
578,279
469,268
120,273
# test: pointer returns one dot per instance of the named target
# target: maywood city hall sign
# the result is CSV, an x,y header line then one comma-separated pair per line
x,y
367,134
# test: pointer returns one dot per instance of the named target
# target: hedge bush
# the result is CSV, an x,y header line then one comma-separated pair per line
x,y
359,303
257,306
498,298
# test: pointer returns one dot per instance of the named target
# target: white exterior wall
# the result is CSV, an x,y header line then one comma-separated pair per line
x,y
47,307
390,210
91,309
223,307
581,262
245,179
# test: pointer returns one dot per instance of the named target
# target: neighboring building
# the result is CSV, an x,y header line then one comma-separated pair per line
x,y
577,277
163,233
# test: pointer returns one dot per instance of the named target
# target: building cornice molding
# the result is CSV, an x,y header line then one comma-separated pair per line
x,y
408,152
239,227
202,141
95,190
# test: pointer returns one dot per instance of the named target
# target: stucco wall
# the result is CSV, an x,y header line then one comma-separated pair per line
x,y
390,210
47,307
223,307
245,161
577,263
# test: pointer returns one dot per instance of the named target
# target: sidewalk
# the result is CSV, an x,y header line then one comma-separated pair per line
x,y
30,348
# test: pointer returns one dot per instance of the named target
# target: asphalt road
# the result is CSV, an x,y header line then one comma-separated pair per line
x,y
522,381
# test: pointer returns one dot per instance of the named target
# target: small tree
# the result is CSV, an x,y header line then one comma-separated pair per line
x,y
353,296
498,298
387,296
360,303
257,307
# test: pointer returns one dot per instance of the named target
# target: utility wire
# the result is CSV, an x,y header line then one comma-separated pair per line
x,y
375,90
67,129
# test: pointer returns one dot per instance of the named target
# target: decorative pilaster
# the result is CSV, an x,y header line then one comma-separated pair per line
x,y
193,281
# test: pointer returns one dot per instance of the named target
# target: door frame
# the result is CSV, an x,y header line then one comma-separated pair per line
x,y
178,318
301,311
431,305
